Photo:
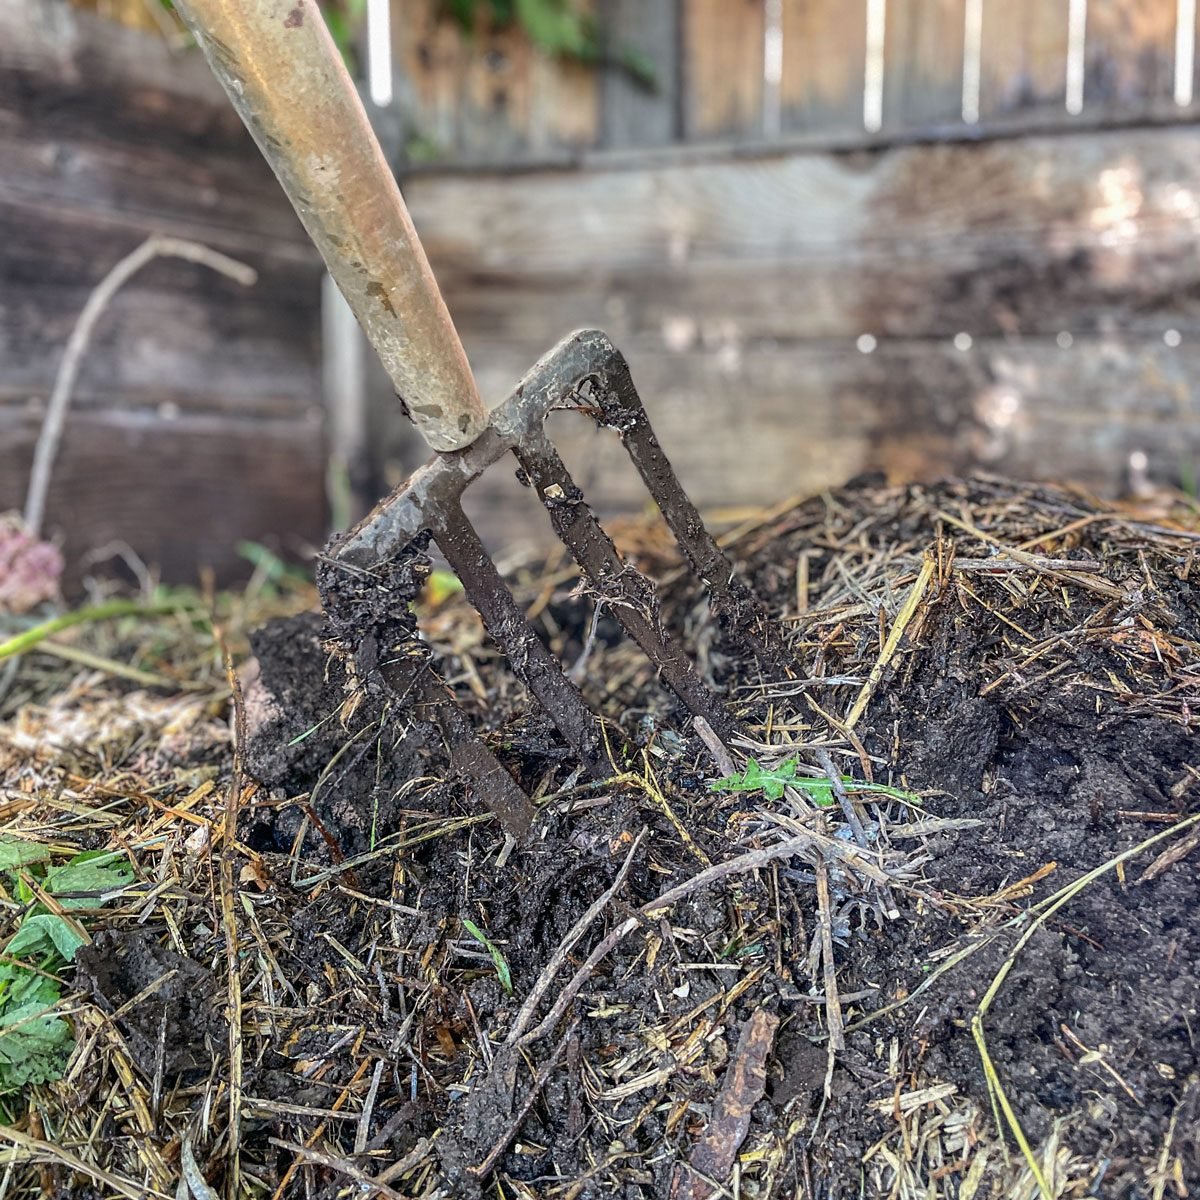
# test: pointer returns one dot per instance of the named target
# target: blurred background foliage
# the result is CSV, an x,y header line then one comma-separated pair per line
x,y
560,28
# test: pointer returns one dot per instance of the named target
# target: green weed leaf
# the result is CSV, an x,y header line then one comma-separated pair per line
x,y
502,971
45,933
34,1043
820,791
87,879
15,853
770,782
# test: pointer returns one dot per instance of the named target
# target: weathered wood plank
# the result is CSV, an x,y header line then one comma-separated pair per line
x,y
180,492
824,65
489,96
1129,55
785,419
631,113
1023,67
176,334
1014,237
192,388
923,63
723,68
739,289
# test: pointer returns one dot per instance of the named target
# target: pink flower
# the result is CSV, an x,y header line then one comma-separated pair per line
x,y
29,568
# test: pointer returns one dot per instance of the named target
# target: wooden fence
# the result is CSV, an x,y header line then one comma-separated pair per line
x,y
765,72
909,235
918,236
197,417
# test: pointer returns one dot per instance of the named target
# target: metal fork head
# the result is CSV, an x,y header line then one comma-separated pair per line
x,y
585,371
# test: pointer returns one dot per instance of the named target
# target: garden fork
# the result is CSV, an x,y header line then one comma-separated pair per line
x,y
286,78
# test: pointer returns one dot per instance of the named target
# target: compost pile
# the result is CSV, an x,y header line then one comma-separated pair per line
x,y
929,930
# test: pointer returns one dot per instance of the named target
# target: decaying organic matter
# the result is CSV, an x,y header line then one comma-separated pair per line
x,y
1018,666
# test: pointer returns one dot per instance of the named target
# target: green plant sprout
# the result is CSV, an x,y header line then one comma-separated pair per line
x,y
562,28
771,781
35,1043
502,971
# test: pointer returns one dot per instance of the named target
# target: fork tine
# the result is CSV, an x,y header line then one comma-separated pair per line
x,y
629,594
531,662
620,408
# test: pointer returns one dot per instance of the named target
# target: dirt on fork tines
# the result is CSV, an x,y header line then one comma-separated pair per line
x,y
946,945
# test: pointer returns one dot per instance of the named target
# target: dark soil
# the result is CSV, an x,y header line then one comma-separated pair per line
x,y
175,1028
1057,719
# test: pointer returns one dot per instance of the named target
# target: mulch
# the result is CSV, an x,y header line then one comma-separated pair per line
x,y
950,952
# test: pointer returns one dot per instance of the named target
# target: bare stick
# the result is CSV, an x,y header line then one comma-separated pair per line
x,y
846,804
155,246
546,978
485,1167
750,861
341,1165
716,747
833,1003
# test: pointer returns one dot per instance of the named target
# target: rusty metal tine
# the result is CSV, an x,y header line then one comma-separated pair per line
x,y
732,602
629,594
530,660
472,759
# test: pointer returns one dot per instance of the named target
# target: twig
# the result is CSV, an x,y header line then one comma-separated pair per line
x,y
578,673
833,1003
153,247
484,1168
363,1130
341,1165
229,919
744,1085
843,797
715,747
1168,858
907,611
190,1170
846,804
546,978
1036,563
1101,587
743,862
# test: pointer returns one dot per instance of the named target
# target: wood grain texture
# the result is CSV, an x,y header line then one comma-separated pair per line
x,y
106,136
1129,56
180,492
723,68
632,113
781,420
738,290
489,95
824,64
1008,238
1023,61
923,63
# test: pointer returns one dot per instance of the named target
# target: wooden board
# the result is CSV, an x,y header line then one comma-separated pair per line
x,y
1023,60
740,288
782,420
634,113
181,491
487,96
106,136
824,65
1010,237
1129,58
923,63
723,68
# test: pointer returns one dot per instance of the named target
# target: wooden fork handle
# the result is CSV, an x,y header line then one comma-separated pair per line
x,y
284,75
